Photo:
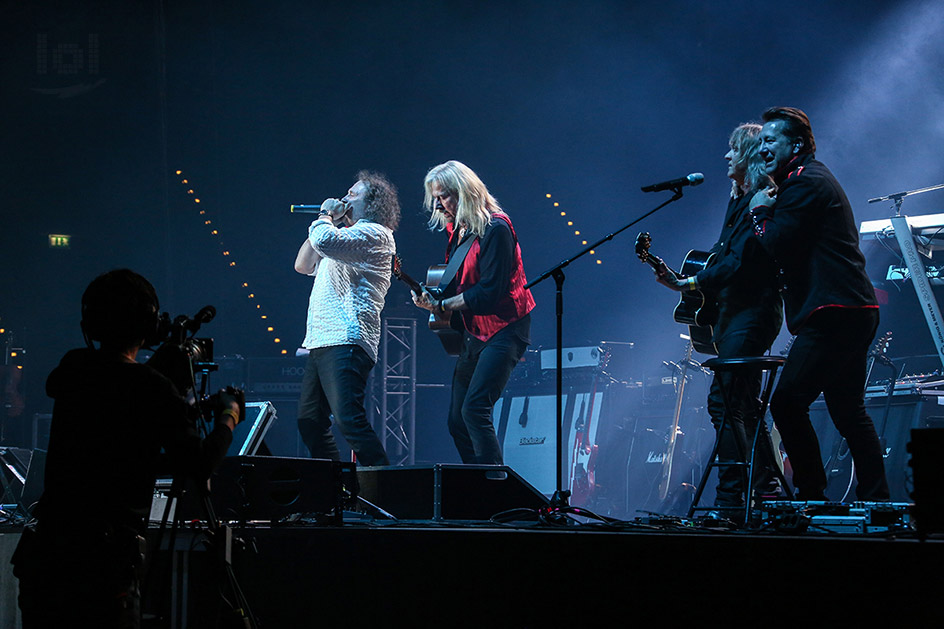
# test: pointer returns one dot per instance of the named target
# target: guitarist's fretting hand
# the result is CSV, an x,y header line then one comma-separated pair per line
x,y
441,309
425,300
669,278
664,275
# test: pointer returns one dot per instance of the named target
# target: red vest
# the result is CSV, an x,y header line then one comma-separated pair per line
x,y
511,307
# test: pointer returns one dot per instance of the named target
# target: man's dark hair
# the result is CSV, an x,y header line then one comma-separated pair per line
x,y
383,206
796,126
119,309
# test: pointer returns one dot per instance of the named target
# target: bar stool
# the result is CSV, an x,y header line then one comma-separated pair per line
x,y
742,367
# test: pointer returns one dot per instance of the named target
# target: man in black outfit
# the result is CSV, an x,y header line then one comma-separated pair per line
x,y
830,306
80,566
742,277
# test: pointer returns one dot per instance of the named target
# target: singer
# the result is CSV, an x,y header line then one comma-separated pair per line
x,y
742,278
348,251
491,297
808,226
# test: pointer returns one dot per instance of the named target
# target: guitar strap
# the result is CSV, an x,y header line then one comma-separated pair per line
x,y
458,257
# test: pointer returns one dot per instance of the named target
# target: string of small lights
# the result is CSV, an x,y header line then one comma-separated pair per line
x,y
230,260
570,224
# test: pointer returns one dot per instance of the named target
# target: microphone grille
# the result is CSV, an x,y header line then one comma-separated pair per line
x,y
696,179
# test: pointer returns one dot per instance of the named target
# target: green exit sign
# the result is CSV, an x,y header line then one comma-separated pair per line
x,y
59,241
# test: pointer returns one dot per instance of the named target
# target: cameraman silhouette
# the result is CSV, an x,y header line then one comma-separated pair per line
x,y
81,564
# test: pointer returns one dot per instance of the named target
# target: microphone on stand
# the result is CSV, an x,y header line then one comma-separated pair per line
x,y
693,179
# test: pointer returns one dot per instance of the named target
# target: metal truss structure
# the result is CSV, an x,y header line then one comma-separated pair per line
x,y
393,390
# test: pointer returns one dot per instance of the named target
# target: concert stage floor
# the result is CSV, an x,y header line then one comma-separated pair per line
x,y
437,575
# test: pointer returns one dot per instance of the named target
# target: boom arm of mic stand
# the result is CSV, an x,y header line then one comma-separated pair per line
x,y
561,496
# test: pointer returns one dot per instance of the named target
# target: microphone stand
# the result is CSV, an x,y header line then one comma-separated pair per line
x,y
560,499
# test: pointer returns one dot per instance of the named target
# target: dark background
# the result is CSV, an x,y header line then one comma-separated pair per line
x,y
265,104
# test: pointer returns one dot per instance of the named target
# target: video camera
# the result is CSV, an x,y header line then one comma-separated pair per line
x,y
181,357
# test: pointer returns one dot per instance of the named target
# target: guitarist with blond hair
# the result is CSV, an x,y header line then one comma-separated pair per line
x,y
743,278
488,294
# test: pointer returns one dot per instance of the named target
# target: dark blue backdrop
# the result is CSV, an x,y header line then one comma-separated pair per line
x,y
264,104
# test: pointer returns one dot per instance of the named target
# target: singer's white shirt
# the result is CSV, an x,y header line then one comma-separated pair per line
x,y
351,281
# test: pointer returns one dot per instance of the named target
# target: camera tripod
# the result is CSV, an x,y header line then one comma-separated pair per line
x,y
219,537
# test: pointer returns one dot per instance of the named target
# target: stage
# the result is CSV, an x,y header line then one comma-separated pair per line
x,y
452,574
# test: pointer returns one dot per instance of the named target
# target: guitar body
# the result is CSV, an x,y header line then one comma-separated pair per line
x,y
448,330
693,307
696,310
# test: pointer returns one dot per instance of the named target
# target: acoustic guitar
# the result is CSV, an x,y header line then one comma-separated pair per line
x,y
694,309
448,329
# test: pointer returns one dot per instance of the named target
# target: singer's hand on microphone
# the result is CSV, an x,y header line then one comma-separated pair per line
x,y
334,209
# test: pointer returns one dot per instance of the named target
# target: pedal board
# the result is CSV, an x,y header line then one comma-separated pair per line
x,y
839,517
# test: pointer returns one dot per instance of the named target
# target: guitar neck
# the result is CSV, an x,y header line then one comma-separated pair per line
x,y
406,279
409,281
656,263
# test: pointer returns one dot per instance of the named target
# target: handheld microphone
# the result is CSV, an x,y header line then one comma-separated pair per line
x,y
693,179
305,209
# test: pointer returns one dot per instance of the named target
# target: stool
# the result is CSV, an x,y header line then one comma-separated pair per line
x,y
743,367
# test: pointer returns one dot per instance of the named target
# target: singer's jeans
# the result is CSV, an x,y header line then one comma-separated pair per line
x,y
335,383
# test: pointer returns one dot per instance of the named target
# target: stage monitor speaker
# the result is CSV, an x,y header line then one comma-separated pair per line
x,y
42,422
35,481
23,473
249,433
267,488
14,463
447,492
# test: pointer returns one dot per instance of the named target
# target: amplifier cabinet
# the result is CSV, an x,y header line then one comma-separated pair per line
x,y
894,423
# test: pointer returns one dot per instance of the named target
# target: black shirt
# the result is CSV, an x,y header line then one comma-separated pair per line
x,y
812,233
742,275
110,421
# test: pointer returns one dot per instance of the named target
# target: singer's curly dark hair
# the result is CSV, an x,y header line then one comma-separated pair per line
x,y
383,206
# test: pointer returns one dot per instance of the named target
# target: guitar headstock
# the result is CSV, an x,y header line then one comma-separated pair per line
x,y
397,266
401,275
643,241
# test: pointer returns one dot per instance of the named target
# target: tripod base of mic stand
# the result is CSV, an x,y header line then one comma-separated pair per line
x,y
560,499
557,509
